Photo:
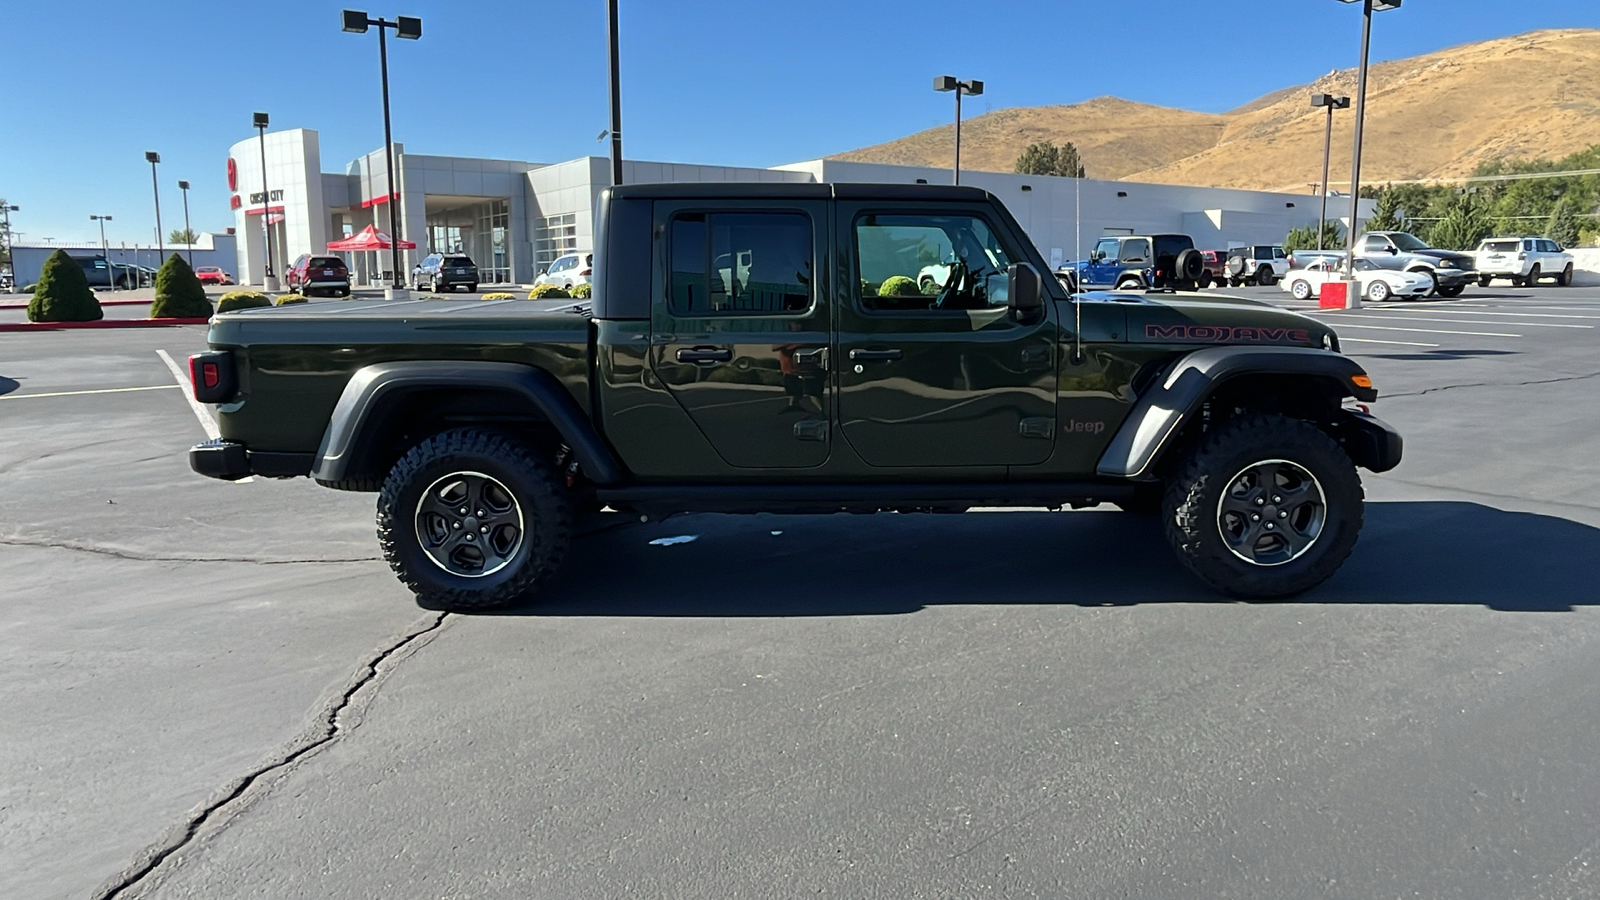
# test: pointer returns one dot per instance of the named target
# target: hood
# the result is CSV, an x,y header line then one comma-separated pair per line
x,y
1206,319
1455,256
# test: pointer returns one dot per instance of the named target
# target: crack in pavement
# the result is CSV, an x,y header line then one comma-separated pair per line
x,y
329,726
80,547
1447,387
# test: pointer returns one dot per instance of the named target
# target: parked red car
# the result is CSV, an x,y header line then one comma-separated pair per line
x,y
1216,267
312,274
212,275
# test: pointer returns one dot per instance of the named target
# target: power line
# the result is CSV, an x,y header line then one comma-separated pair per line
x,y
1463,179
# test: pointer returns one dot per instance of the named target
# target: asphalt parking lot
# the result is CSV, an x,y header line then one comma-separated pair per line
x,y
219,690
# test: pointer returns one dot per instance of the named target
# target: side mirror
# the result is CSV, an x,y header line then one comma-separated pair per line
x,y
1394,251
1026,293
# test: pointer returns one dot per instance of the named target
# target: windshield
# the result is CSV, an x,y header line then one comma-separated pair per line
x,y
1407,242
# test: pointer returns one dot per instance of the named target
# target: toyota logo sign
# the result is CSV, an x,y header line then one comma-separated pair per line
x,y
233,175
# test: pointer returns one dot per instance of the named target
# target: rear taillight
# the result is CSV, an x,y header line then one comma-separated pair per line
x,y
585,272
212,376
1522,256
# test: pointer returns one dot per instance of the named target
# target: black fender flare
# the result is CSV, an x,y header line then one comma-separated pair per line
x,y
1163,409
373,386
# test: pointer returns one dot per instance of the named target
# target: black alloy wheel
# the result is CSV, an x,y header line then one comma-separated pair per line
x,y
473,519
1265,506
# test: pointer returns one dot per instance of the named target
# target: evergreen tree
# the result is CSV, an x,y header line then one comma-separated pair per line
x,y
1389,215
63,293
182,236
1045,158
1305,237
1563,225
178,292
1465,223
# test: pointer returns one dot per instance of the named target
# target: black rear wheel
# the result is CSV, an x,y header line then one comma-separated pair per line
x,y
1265,506
472,519
1533,276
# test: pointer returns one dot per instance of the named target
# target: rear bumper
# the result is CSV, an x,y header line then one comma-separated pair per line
x,y
230,461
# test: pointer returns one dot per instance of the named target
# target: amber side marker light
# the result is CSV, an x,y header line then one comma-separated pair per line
x,y
1361,381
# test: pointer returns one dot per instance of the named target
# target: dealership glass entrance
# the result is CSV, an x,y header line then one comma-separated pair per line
x,y
479,229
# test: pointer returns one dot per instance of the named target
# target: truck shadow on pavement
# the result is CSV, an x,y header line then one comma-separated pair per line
x,y
1447,553
7,385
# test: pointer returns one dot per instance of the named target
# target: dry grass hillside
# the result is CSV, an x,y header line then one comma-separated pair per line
x,y
1535,95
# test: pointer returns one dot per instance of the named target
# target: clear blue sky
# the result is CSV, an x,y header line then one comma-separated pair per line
x,y
89,86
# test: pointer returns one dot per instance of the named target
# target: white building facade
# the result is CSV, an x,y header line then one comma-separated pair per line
x,y
514,218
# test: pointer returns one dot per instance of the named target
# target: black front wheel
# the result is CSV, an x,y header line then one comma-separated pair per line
x,y
472,519
1264,507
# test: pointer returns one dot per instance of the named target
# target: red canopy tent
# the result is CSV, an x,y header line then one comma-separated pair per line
x,y
370,239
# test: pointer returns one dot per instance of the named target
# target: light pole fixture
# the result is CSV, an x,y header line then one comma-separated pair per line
x,y
407,28
269,282
188,233
972,88
1332,103
111,271
616,93
1368,7
152,158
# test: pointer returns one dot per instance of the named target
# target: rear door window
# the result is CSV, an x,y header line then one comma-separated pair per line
x,y
739,263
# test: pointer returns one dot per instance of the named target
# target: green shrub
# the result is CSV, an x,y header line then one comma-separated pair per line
x,y
899,286
179,294
233,300
582,291
932,288
499,295
287,299
548,292
62,294
29,288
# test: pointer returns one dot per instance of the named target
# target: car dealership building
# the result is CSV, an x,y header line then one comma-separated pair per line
x,y
514,218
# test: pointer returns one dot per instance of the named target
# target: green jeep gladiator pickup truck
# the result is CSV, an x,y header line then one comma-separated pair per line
x,y
766,348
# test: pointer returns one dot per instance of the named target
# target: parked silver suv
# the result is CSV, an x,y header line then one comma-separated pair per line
x,y
1524,260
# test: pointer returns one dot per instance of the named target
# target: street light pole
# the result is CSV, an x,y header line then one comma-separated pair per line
x,y
1332,103
269,282
111,271
1368,7
153,157
973,88
406,28
188,232
616,93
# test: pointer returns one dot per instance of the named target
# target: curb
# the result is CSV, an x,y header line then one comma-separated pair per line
x,y
102,323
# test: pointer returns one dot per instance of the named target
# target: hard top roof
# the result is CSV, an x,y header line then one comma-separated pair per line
x,y
786,191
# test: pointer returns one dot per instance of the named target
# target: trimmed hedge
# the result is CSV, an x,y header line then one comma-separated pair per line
x,y
233,300
62,294
498,295
179,294
582,291
548,292
287,299
899,286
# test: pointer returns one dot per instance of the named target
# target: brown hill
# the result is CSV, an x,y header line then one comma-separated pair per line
x,y
1534,95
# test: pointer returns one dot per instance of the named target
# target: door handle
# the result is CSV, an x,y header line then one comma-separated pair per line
x,y
815,356
871,355
705,355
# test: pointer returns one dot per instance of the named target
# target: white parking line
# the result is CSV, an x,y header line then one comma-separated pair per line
x,y
207,423
1430,330
1484,322
1345,340
1483,312
157,387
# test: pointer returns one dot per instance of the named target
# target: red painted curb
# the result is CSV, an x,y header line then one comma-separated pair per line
x,y
103,323
102,303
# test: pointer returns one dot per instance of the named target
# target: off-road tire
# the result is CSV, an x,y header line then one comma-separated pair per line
x,y
1452,291
1533,276
1190,511
1484,280
531,482
1265,278
1565,278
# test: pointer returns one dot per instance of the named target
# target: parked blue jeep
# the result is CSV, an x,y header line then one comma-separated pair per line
x,y
1138,262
